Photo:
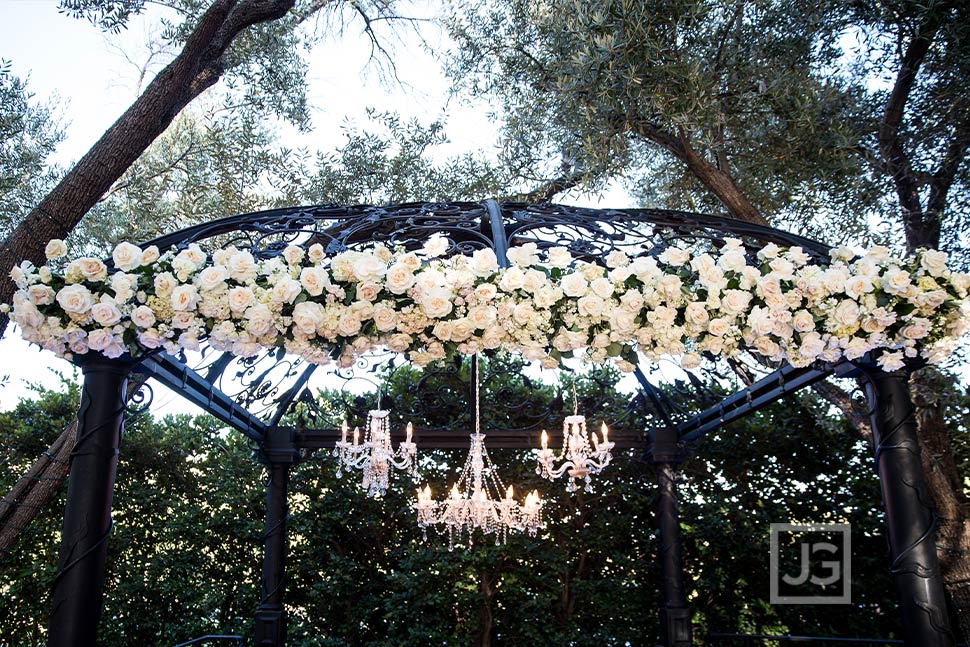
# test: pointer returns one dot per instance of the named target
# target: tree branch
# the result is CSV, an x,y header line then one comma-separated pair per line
x,y
197,67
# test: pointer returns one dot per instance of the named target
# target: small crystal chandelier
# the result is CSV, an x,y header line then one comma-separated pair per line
x,y
581,460
476,501
375,456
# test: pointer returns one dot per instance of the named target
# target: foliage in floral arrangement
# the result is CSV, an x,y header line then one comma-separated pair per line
x,y
546,305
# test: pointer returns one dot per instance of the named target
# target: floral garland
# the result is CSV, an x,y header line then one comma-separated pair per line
x,y
546,305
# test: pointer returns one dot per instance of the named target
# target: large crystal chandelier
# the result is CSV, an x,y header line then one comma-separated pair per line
x,y
579,458
479,500
375,456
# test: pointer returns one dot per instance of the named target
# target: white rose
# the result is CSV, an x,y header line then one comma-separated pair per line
x,y
917,329
100,339
399,343
602,287
735,301
933,262
91,269
348,325
126,256
617,258
812,345
437,303
293,255
26,314
846,314
241,266
75,299
40,295
856,348
482,316
316,253
369,268
259,320
106,314
436,246
523,313
732,261
150,338
286,290
485,292
143,317
697,314
523,255
512,279
213,277
534,281
184,298
891,361
674,256
718,326
461,329
307,316
240,298
856,286
149,255
399,278
55,249
314,280
385,318
545,296
574,285
559,257
590,306
670,286
368,291
623,320
896,281
803,321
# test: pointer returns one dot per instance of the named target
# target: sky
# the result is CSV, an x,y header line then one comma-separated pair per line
x,y
93,78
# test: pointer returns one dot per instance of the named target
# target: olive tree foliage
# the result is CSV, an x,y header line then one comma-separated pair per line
x,y
703,105
29,133
819,117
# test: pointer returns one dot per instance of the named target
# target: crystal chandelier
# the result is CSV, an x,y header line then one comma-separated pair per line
x,y
580,459
479,500
375,456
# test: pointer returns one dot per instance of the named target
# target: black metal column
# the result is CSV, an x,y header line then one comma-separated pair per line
x,y
79,584
910,519
280,453
675,616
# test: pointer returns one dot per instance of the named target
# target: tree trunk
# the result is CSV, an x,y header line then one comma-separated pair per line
x,y
945,485
487,586
199,65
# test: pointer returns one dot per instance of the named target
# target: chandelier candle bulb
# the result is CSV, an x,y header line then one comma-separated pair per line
x,y
579,459
375,456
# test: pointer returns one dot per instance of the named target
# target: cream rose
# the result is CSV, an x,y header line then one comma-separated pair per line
x,y
846,314
574,285
126,256
523,255
399,279
316,253
617,258
933,262
307,316
399,342
100,339
241,266
437,303
385,318
512,279
75,299
602,287
240,298
436,246
368,268
803,321
105,313
485,292
523,313
259,320
143,317
213,277
185,297
590,306
92,269
285,290
55,249
559,257
149,255
40,295
482,316
293,254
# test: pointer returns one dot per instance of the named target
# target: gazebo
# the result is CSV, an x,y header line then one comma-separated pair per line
x,y
275,380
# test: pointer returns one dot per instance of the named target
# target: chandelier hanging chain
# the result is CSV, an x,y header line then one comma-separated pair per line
x,y
579,459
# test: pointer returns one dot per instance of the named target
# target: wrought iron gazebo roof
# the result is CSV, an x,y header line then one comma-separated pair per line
x,y
255,394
